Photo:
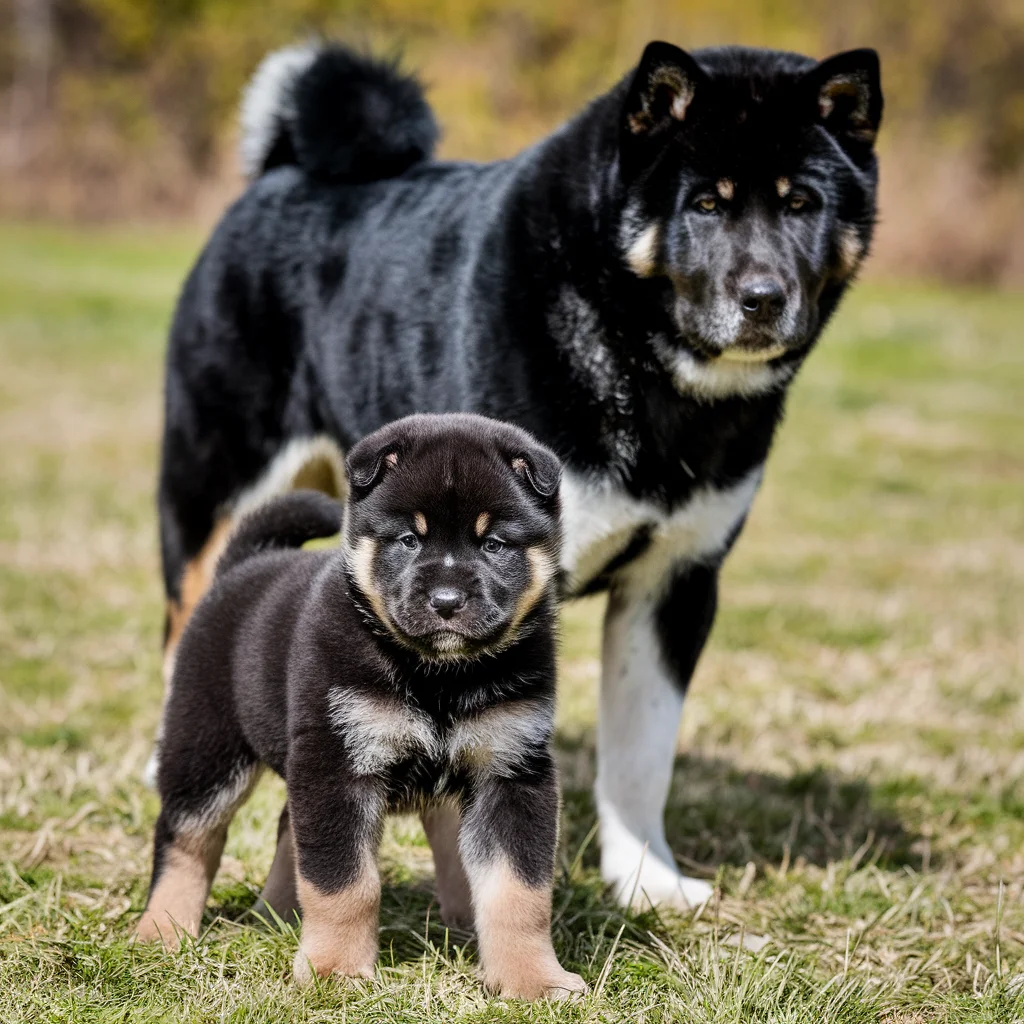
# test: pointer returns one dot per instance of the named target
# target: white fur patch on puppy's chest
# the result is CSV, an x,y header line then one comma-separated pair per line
x,y
379,732
499,738
600,519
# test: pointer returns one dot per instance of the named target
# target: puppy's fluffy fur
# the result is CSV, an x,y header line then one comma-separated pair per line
x,y
412,666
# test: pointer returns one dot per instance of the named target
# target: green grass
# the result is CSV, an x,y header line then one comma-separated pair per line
x,y
851,769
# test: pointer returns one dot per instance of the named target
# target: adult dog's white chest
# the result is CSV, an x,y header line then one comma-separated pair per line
x,y
599,519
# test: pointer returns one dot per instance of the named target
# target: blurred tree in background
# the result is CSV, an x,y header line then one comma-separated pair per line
x,y
127,107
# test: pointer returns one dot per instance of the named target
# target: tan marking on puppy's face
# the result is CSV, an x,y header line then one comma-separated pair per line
x,y
419,521
543,569
725,188
339,929
360,559
783,186
513,927
482,522
179,896
642,255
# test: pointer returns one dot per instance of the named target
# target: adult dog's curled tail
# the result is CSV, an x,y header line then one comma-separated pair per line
x,y
285,522
339,115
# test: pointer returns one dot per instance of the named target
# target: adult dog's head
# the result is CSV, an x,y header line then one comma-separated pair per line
x,y
749,189
452,531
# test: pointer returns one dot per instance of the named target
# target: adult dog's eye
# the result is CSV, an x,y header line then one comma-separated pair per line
x,y
409,540
706,203
492,545
798,203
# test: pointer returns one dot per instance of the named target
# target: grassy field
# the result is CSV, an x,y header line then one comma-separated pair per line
x,y
851,767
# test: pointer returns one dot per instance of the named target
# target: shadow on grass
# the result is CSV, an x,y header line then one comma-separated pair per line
x,y
720,815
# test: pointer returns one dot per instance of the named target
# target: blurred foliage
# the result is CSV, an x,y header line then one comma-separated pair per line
x,y
141,94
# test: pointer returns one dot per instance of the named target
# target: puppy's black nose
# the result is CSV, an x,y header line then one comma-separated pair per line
x,y
762,298
446,601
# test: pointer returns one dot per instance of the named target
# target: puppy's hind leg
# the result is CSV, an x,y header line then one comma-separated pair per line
x,y
441,823
279,891
189,841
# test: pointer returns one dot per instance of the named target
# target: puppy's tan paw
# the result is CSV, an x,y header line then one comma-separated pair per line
x,y
457,915
306,966
149,929
566,986
555,984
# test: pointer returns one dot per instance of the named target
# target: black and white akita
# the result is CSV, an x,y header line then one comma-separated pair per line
x,y
637,290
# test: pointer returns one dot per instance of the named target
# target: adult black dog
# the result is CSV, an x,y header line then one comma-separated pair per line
x,y
637,290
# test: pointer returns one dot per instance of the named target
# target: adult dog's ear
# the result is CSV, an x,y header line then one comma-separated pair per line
x,y
539,467
846,93
659,96
369,461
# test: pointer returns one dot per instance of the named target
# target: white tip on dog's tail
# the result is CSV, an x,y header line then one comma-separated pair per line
x,y
339,115
268,106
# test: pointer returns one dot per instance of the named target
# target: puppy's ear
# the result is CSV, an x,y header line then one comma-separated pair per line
x,y
540,468
369,461
659,96
846,96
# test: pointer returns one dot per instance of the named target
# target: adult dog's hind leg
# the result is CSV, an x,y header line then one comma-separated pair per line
x,y
650,648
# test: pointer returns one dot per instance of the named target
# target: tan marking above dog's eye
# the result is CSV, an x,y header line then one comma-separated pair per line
x,y
725,187
419,521
482,522
783,186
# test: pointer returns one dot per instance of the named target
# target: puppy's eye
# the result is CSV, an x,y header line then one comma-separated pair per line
x,y
409,540
492,545
706,203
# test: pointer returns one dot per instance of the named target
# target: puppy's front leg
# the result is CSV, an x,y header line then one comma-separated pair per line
x,y
508,841
336,821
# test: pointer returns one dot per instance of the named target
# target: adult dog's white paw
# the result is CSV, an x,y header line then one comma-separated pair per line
x,y
655,884
644,874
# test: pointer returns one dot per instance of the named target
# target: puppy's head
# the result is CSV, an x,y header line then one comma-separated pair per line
x,y
452,531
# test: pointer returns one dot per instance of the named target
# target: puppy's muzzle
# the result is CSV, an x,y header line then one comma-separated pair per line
x,y
447,601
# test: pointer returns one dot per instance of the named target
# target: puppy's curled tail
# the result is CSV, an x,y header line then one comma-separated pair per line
x,y
285,522
339,115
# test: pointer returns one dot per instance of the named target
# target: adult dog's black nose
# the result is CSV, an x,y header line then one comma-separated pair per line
x,y
762,298
446,601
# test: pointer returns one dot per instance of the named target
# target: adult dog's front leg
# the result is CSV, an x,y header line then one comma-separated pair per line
x,y
651,645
